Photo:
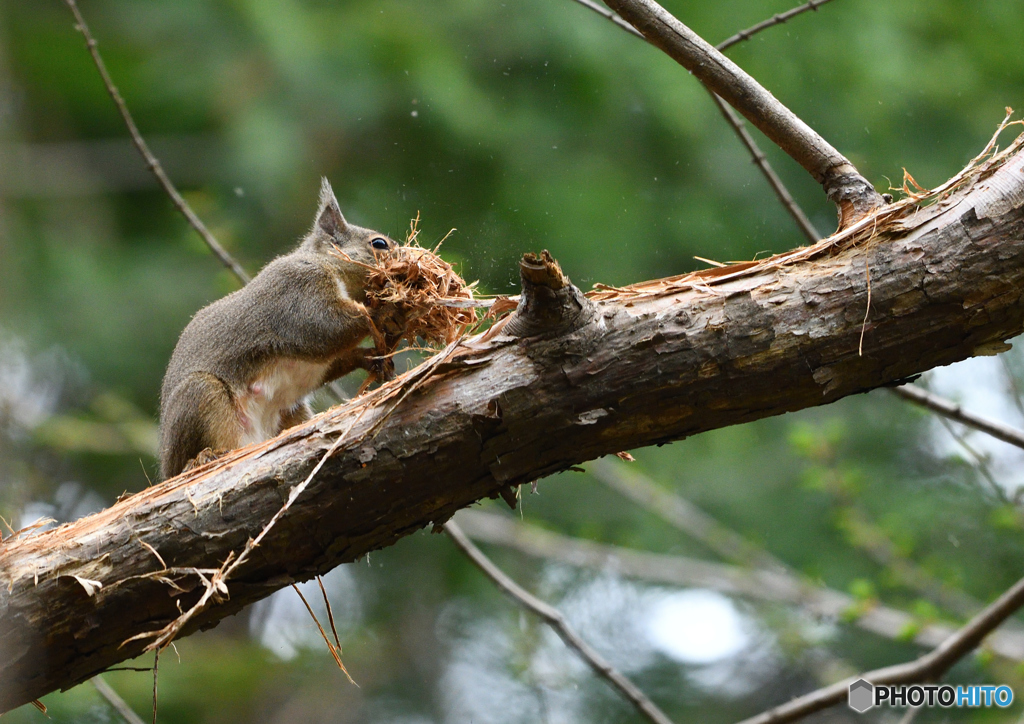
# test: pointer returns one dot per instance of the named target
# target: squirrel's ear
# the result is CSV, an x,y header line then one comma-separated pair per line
x,y
329,218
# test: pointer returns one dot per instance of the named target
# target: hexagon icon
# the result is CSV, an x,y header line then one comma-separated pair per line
x,y
862,696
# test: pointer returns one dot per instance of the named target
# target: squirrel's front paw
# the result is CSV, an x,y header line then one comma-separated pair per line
x,y
383,368
392,320
380,368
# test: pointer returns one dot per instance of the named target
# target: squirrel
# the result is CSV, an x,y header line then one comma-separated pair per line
x,y
244,365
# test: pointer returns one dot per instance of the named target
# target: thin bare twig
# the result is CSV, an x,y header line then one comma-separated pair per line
x,y
154,165
776,19
761,161
929,667
554,618
156,676
980,462
953,411
734,120
1011,382
114,699
754,584
684,516
785,198
854,196
739,37
694,522
609,15
151,161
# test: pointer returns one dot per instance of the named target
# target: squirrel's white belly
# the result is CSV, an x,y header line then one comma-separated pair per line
x,y
278,388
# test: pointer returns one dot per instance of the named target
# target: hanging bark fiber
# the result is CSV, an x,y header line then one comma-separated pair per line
x,y
566,378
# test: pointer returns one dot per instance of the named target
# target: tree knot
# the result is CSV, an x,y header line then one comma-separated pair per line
x,y
851,193
550,304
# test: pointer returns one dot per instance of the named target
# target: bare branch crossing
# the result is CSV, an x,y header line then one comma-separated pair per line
x,y
774,20
753,584
554,618
758,156
843,184
930,667
953,411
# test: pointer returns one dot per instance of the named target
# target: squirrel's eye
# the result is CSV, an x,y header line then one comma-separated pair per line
x,y
379,243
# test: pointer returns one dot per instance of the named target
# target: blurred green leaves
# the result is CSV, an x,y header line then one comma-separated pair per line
x,y
524,125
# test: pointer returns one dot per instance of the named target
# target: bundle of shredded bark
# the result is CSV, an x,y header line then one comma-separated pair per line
x,y
431,301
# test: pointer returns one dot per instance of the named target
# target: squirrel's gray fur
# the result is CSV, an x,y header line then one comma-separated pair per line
x,y
243,366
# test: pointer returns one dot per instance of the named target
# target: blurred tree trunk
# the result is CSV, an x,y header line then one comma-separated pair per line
x,y
565,379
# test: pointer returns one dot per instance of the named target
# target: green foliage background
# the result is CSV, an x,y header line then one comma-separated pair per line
x,y
525,125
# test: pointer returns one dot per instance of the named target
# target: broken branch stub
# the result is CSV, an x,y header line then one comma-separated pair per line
x,y
854,196
550,304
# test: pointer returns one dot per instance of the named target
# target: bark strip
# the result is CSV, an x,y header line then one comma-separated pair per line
x,y
648,364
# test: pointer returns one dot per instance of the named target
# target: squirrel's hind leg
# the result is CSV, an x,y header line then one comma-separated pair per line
x,y
295,416
206,455
203,417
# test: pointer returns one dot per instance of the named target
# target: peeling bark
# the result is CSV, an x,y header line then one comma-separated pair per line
x,y
564,380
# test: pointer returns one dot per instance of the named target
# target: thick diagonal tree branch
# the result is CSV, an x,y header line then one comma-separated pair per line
x,y
566,379
844,185
734,121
